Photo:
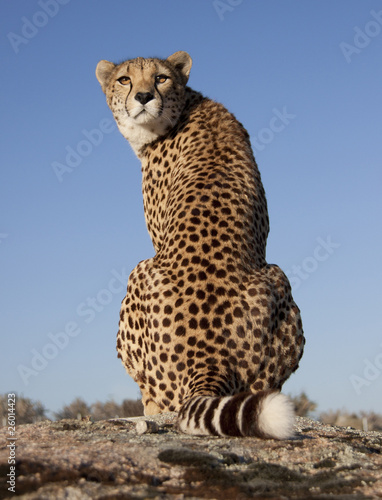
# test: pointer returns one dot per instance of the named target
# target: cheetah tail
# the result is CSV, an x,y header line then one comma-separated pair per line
x,y
267,414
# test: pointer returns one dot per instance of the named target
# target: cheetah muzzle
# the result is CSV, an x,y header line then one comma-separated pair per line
x,y
207,328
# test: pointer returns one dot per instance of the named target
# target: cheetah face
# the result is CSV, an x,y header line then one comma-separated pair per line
x,y
146,96
141,95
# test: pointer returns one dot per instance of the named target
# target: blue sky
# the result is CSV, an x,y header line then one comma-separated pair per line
x,y
303,77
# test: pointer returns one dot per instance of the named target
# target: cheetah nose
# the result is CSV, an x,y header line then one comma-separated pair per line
x,y
143,97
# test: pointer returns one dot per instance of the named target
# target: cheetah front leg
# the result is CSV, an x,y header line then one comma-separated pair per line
x,y
143,337
133,337
150,407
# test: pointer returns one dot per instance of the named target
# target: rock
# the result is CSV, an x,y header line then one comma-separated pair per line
x,y
74,459
146,427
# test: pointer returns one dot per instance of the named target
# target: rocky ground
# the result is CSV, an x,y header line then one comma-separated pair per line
x,y
72,459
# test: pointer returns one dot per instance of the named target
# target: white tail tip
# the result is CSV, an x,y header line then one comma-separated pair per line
x,y
276,418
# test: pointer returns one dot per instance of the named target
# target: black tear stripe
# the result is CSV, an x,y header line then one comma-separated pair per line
x,y
131,88
161,108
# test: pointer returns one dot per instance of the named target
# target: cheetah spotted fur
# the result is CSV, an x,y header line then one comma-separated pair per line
x,y
207,328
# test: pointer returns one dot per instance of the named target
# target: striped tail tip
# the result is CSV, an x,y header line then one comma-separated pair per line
x,y
267,414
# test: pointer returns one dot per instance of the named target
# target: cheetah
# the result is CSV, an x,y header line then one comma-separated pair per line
x,y
208,328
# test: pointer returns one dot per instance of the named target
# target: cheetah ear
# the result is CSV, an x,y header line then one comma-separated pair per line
x,y
103,72
182,62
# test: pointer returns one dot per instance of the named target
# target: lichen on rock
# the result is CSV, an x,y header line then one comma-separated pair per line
x,y
108,459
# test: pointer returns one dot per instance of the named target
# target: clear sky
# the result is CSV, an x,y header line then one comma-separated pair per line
x,y
305,78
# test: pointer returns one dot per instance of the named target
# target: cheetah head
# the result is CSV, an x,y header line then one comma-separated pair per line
x,y
146,96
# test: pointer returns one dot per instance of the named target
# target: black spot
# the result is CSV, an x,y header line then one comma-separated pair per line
x,y
194,309
204,324
179,348
193,324
178,317
237,312
180,331
240,331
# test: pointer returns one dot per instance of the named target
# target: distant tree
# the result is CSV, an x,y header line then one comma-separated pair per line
x,y
27,410
373,420
330,417
341,418
131,408
3,409
111,409
364,421
77,409
104,411
101,411
303,406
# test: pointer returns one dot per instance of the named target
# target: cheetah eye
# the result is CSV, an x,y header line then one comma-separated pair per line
x,y
161,78
124,80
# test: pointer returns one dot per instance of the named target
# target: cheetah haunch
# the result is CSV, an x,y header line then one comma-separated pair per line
x,y
207,327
